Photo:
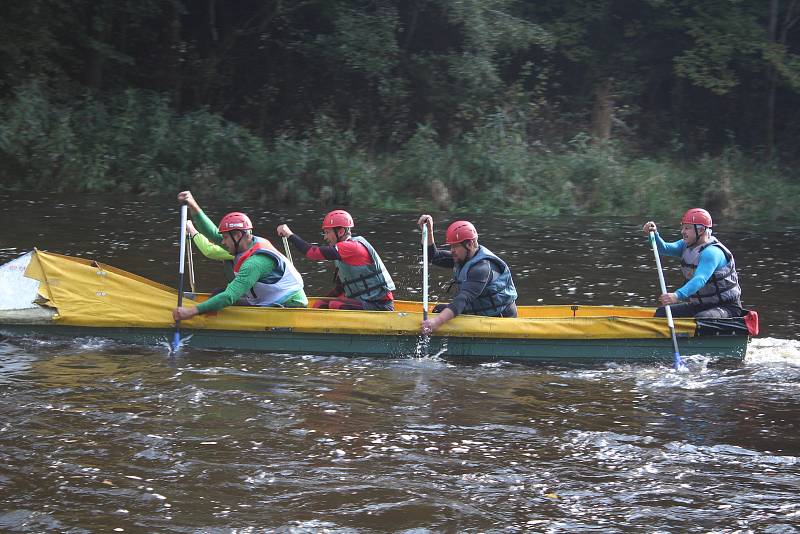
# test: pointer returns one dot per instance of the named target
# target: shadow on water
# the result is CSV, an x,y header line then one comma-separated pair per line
x,y
97,436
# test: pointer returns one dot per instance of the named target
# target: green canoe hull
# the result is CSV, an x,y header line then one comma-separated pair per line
x,y
458,348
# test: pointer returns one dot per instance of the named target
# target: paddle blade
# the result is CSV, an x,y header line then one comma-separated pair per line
x,y
176,341
679,366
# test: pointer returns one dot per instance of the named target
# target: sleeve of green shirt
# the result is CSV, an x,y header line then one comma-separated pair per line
x,y
207,227
209,249
252,270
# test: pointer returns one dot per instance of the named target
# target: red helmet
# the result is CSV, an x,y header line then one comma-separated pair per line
x,y
460,231
697,216
337,218
235,221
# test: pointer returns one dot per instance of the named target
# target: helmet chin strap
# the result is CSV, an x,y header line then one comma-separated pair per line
x,y
339,238
469,253
465,246
236,241
697,233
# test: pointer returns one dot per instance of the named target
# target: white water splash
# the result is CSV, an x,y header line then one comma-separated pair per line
x,y
773,350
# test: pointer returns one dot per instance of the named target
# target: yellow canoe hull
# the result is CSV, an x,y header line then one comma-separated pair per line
x,y
79,295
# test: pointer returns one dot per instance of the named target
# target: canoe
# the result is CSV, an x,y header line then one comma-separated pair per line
x,y
48,294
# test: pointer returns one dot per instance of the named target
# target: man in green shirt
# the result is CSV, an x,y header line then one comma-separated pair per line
x,y
261,275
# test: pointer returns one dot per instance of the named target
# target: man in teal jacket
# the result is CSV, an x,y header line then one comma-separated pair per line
x,y
712,287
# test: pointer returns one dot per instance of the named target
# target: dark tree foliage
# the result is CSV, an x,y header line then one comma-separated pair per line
x,y
677,77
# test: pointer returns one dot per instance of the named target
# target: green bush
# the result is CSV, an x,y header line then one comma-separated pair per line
x,y
135,142
132,142
325,164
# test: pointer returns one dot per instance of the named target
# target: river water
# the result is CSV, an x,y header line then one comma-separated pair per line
x,y
102,437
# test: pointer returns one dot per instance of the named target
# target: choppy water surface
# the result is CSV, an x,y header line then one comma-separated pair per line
x,y
97,436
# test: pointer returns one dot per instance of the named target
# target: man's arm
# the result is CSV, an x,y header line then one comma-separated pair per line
x,y
477,278
669,249
314,252
440,257
209,249
207,227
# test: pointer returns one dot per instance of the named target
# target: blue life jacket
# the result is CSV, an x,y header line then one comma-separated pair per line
x,y
499,291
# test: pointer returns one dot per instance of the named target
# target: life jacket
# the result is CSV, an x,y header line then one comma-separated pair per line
x,y
723,285
277,286
499,291
365,282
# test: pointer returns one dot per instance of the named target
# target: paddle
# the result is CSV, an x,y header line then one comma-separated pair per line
x,y
423,343
190,262
678,362
176,339
425,272
288,251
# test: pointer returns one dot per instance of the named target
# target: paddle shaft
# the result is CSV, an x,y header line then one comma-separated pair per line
x,y
670,322
190,262
182,256
286,248
177,337
425,271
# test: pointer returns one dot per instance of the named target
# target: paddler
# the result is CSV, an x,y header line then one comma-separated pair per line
x,y
712,288
484,282
362,281
259,274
